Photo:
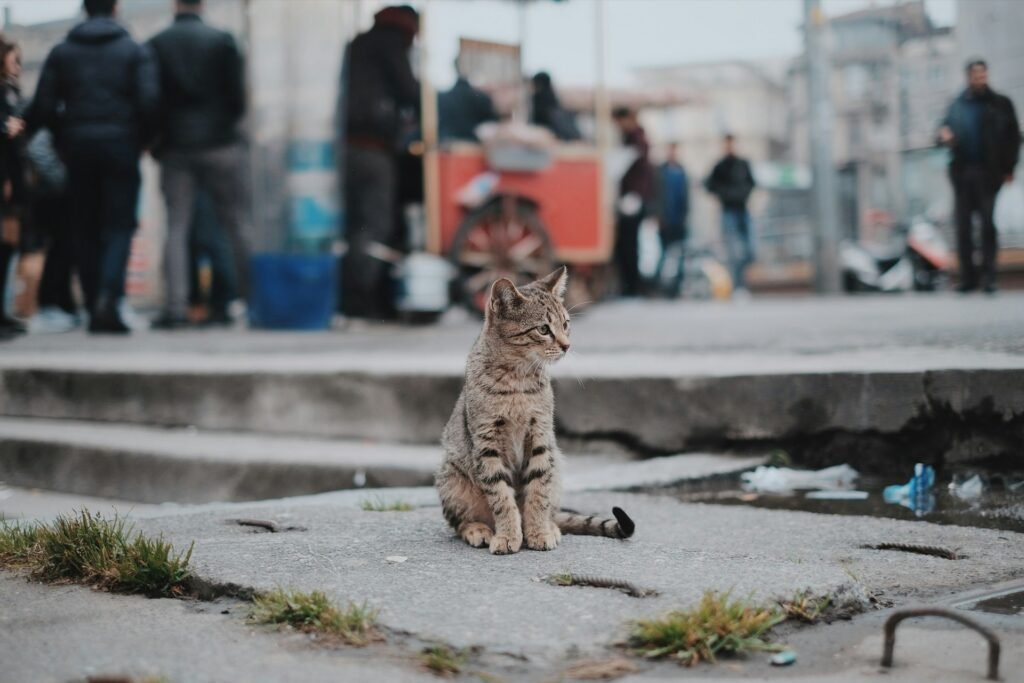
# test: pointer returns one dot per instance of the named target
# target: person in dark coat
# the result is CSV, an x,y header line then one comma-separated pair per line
x,y
462,108
99,93
379,92
200,146
13,196
983,134
673,209
546,109
732,181
636,192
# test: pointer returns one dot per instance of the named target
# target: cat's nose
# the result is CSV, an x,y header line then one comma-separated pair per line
x,y
565,346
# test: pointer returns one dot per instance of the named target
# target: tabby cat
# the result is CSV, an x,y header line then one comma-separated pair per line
x,y
499,482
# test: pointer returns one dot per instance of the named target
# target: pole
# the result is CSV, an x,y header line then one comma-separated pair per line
x,y
825,190
602,127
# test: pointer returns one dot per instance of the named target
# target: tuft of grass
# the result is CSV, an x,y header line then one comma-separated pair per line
x,y
315,613
442,660
17,542
805,607
379,505
717,625
94,550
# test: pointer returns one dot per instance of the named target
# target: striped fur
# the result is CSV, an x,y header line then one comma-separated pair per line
x,y
500,483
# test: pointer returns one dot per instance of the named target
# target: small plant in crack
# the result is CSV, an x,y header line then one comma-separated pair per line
x,y
717,625
803,606
91,549
442,660
379,505
315,613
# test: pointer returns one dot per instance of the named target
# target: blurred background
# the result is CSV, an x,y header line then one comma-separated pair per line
x,y
694,69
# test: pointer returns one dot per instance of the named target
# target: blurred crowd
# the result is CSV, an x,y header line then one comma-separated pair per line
x,y
70,180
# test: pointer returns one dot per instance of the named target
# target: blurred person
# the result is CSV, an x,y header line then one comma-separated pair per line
x,y
546,109
200,145
13,195
99,94
58,311
208,242
732,181
673,209
636,191
381,90
462,108
983,134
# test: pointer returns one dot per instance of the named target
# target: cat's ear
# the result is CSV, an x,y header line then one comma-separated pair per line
x,y
504,296
556,282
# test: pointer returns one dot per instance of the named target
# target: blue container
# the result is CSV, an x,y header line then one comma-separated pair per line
x,y
292,291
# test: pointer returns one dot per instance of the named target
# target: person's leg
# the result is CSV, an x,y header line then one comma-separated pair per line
x,y
209,240
222,175
734,249
746,237
989,236
627,253
963,206
370,198
119,195
178,185
55,285
84,223
7,324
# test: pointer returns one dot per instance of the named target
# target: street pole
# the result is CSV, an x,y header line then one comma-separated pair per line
x,y
819,103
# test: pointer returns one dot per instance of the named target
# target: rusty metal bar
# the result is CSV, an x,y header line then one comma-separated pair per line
x,y
894,621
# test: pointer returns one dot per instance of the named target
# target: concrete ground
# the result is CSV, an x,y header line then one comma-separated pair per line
x,y
652,377
429,587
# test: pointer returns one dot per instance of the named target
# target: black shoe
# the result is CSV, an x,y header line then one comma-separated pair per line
x,y
168,322
966,288
989,288
10,327
107,321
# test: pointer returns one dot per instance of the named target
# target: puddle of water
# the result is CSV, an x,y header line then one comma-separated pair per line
x,y
999,507
1011,604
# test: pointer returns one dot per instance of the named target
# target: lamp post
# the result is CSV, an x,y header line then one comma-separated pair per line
x,y
825,189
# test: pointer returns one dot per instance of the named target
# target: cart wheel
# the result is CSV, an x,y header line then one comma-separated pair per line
x,y
503,238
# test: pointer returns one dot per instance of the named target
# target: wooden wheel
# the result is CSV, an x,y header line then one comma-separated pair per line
x,y
503,238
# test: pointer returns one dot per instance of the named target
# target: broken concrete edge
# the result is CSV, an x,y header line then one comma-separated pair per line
x,y
928,416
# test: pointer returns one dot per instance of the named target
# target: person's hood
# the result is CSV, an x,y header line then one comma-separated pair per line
x,y
97,30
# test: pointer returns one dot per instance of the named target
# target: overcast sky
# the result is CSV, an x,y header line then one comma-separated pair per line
x,y
560,36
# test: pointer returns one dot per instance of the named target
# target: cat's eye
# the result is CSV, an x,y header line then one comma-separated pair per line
x,y
544,329
565,326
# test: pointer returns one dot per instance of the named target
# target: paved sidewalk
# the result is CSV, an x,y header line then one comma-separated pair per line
x,y
430,587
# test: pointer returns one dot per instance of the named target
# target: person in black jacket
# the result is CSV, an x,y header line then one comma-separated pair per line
x,y
462,108
983,134
732,182
380,89
546,109
199,145
99,93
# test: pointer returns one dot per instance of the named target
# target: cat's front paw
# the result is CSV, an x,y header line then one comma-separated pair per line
x,y
546,537
502,544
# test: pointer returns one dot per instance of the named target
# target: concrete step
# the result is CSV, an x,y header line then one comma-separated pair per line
x,y
900,404
154,465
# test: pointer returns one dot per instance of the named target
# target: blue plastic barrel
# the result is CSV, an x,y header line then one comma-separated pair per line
x,y
292,291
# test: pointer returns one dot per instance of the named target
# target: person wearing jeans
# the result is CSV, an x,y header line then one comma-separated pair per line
x,y
99,93
732,182
200,146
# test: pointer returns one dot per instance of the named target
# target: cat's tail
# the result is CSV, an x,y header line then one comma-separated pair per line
x,y
583,525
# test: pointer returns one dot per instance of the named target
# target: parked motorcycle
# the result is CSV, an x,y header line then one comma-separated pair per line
x,y
922,264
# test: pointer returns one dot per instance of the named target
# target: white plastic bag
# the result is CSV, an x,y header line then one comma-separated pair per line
x,y
1009,211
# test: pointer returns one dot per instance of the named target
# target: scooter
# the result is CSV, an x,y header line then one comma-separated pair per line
x,y
922,264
